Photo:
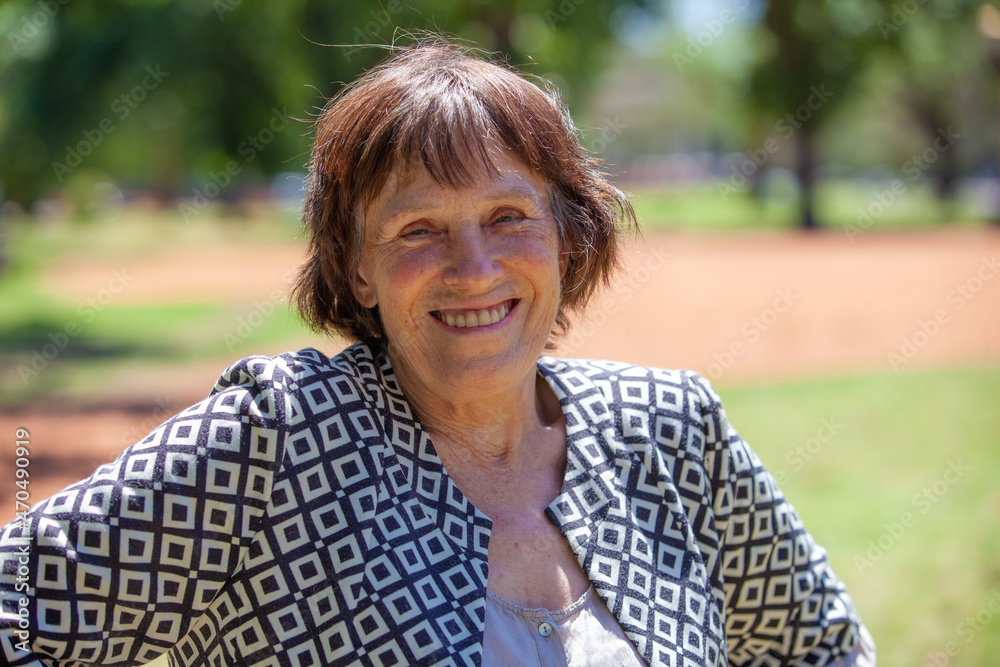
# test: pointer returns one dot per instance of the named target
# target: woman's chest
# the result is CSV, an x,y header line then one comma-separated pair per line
x,y
531,564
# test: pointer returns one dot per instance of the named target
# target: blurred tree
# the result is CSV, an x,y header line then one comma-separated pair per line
x,y
828,45
942,64
988,24
815,52
168,94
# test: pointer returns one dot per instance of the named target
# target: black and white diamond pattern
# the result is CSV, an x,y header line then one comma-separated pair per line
x,y
300,516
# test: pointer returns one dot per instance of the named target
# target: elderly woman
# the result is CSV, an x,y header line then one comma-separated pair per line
x,y
437,493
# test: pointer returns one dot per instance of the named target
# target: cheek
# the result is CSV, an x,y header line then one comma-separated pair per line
x,y
537,262
399,284
539,255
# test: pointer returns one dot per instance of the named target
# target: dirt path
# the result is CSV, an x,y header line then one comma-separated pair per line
x,y
737,308
773,306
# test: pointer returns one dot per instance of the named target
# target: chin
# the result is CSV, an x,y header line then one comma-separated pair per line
x,y
486,371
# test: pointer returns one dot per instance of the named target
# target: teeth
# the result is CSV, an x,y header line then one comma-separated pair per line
x,y
470,319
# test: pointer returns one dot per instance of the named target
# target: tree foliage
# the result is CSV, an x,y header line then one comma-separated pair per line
x,y
833,43
164,95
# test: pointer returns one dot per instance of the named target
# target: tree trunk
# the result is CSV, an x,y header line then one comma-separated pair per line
x,y
805,170
988,19
931,117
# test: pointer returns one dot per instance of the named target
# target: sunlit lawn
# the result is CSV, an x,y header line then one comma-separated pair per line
x,y
891,441
891,436
837,207
122,335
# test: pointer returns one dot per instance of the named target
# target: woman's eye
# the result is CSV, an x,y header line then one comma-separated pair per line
x,y
508,216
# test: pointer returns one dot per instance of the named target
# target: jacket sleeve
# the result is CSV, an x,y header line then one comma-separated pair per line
x,y
114,569
783,602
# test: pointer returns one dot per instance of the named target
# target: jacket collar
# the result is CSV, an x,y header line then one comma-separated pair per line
x,y
595,459
466,528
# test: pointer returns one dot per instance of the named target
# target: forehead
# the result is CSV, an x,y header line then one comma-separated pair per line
x,y
412,186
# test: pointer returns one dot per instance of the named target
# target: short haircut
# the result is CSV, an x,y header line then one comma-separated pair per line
x,y
436,104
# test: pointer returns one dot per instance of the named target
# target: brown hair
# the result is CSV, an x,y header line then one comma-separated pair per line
x,y
435,103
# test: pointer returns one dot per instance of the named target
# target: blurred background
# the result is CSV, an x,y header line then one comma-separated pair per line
x,y
817,183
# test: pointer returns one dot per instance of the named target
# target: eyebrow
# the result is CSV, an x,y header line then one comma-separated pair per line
x,y
421,205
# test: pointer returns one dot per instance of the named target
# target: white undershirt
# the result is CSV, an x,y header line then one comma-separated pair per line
x,y
585,634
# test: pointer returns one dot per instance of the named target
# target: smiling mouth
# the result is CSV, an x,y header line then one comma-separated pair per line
x,y
470,319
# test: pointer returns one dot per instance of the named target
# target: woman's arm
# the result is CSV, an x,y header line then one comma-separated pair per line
x,y
783,599
114,569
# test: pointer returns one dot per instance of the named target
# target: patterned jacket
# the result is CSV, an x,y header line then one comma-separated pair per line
x,y
300,516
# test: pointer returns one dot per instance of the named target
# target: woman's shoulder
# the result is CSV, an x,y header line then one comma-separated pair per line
x,y
630,381
293,371
287,385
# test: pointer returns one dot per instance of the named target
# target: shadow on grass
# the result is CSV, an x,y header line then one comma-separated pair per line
x,y
36,355
48,341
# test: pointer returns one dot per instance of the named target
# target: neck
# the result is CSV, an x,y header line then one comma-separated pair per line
x,y
485,429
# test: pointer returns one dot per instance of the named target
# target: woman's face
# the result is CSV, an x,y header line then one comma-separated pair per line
x,y
467,279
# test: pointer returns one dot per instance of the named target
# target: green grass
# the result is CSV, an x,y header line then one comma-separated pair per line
x,y
837,206
122,335
889,438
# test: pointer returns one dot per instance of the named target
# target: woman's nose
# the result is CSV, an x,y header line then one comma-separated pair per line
x,y
471,263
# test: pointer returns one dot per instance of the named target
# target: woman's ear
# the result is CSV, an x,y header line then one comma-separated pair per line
x,y
363,288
